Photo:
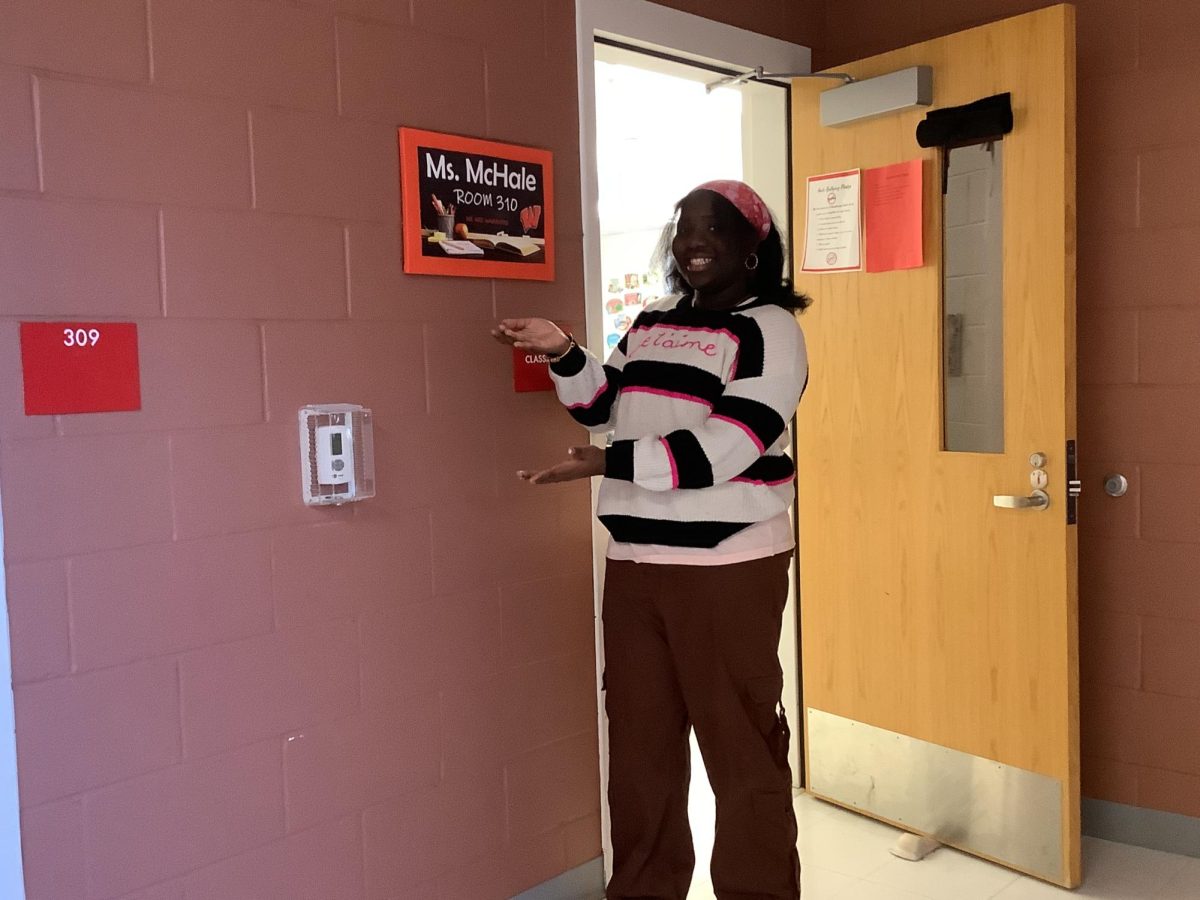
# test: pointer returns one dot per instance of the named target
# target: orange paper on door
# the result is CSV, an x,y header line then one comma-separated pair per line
x,y
892,197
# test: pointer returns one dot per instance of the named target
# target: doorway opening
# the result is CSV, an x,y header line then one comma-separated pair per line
x,y
649,107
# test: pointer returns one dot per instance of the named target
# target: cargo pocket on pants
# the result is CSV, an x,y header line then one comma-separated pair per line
x,y
769,716
781,738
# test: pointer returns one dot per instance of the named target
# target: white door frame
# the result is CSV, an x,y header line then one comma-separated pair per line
x,y
641,23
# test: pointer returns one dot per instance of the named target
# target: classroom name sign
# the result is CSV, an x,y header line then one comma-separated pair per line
x,y
477,208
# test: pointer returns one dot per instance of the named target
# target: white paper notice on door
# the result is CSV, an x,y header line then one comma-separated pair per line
x,y
833,227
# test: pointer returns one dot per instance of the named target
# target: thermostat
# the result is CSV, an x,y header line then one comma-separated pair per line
x,y
337,454
335,445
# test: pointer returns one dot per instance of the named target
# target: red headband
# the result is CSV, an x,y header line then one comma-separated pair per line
x,y
747,201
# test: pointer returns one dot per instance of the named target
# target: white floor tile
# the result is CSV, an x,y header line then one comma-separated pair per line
x,y
946,874
810,809
1104,887
1112,870
870,890
1025,888
1185,885
817,883
846,843
844,856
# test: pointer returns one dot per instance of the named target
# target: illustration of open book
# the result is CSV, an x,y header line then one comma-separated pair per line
x,y
522,246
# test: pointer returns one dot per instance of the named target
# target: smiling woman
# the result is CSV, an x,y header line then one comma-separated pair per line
x,y
695,495
712,242
719,229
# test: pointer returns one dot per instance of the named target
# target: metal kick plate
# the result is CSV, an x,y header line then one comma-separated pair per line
x,y
1007,814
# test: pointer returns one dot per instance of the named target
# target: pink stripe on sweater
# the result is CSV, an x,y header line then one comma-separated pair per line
x,y
671,460
775,483
746,428
591,402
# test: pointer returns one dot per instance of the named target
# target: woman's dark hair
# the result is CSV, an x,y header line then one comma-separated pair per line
x,y
767,282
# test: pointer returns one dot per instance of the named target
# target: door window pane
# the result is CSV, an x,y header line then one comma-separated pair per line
x,y
973,300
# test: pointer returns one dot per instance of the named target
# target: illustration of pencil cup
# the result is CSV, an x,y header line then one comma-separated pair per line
x,y
445,224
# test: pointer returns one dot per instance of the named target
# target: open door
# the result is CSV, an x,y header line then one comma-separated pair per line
x,y
938,624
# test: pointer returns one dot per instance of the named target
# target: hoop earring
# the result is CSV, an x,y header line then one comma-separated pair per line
x,y
752,256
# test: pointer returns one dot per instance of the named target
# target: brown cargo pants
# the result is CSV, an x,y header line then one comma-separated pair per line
x,y
696,647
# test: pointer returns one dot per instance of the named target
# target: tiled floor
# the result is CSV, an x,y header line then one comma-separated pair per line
x,y
844,856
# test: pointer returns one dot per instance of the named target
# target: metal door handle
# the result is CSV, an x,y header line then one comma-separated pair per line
x,y
1036,500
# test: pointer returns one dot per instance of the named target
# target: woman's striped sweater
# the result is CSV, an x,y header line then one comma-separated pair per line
x,y
698,402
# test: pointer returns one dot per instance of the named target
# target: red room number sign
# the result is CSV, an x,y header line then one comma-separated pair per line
x,y
80,367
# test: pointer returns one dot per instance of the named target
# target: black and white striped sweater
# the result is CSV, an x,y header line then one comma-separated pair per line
x,y
698,402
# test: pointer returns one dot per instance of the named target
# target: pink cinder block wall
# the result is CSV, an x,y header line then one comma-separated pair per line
x,y
1139,371
221,694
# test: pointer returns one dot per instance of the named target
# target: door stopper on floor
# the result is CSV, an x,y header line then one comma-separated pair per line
x,y
913,847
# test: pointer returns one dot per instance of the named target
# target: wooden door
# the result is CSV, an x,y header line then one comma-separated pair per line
x,y
938,630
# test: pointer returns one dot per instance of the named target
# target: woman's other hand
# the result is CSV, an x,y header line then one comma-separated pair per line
x,y
538,335
581,462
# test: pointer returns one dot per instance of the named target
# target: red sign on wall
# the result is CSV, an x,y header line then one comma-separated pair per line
x,y
531,371
80,367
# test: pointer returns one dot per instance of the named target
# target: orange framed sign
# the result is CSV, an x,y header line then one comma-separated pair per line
x,y
476,208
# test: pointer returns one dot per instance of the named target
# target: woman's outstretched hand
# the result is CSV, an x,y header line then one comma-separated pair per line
x,y
581,462
543,336
538,335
